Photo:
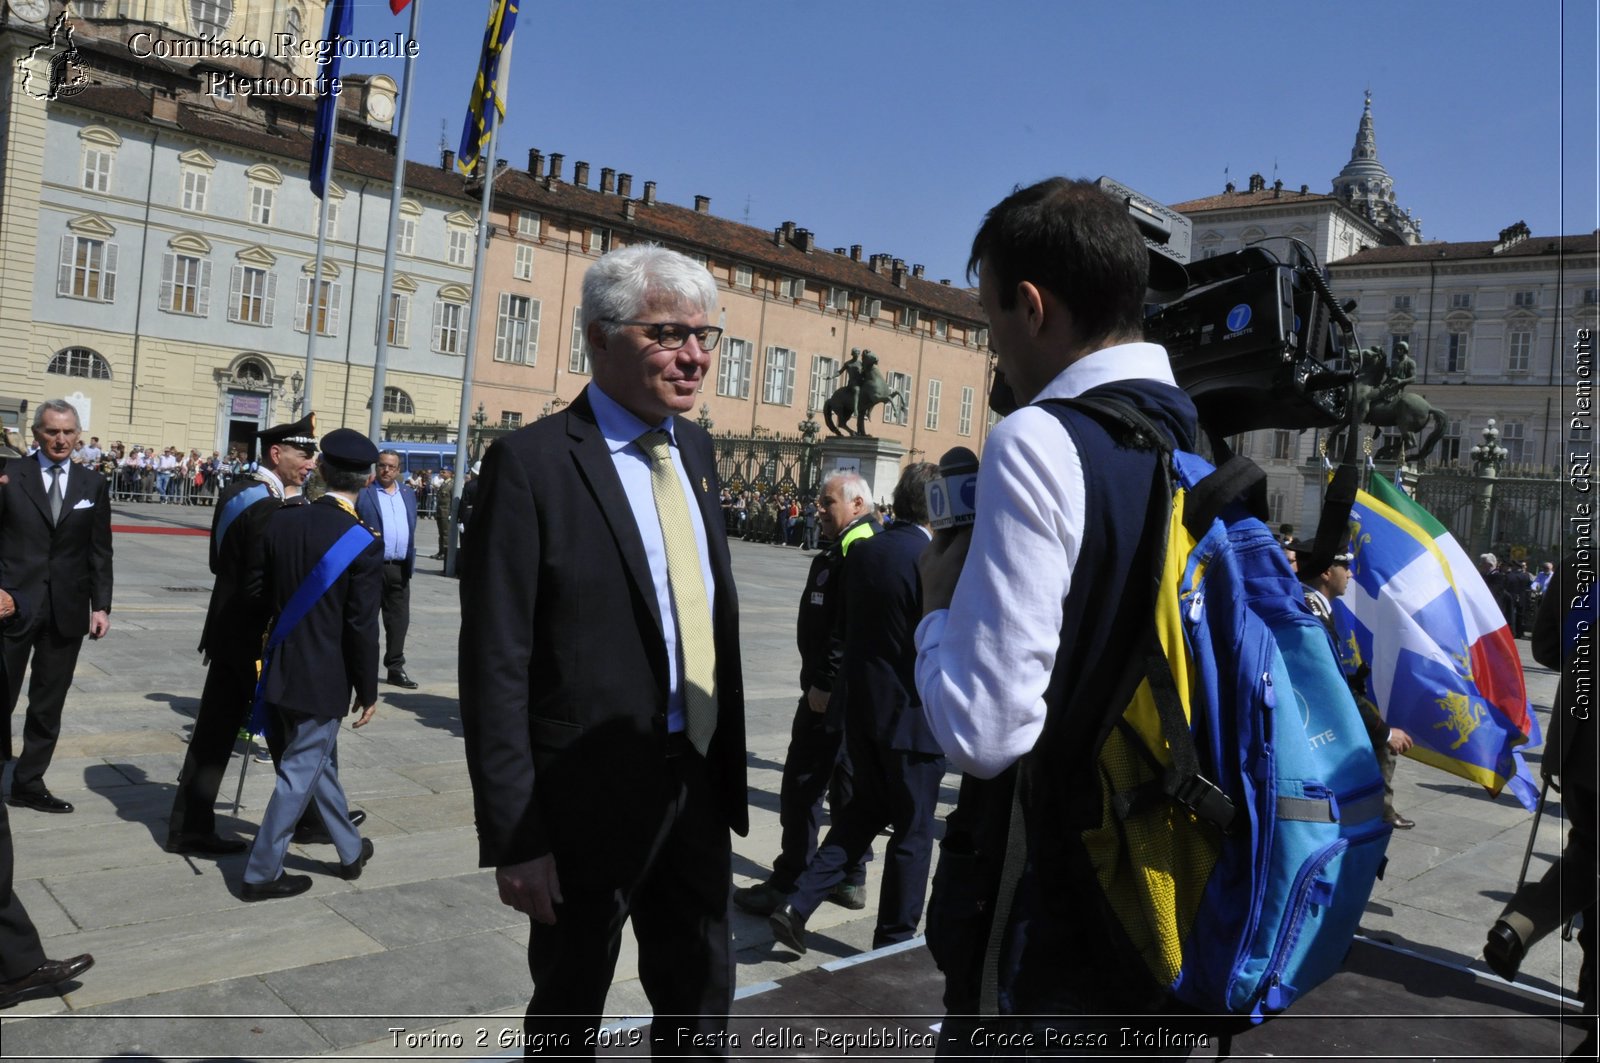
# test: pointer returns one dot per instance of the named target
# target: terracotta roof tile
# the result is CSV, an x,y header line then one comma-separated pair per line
x,y
1469,249
1247,200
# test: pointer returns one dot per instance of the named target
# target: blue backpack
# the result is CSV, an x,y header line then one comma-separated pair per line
x,y
1242,819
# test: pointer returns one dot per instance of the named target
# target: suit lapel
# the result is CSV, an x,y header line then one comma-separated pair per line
x,y
593,458
32,477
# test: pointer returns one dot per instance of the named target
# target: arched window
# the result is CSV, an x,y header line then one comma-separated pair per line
x,y
293,25
80,361
397,401
251,371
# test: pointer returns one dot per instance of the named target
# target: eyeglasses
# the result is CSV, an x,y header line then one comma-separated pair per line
x,y
671,335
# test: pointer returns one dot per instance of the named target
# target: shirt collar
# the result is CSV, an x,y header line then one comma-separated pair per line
x,y
45,463
1125,361
622,427
270,478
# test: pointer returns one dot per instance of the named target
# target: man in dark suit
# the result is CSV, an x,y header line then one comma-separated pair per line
x,y
23,967
896,764
328,652
389,506
235,624
601,691
55,547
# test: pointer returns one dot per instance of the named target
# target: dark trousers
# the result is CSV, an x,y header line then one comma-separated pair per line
x,y
20,951
396,614
224,708
679,908
891,787
814,765
1386,758
54,658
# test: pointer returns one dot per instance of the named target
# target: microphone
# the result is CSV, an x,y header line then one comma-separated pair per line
x,y
952,498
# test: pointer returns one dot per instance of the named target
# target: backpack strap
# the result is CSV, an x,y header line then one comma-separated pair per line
x,y
326,573
1183,781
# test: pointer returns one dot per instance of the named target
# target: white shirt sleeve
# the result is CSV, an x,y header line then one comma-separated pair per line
x,y
983,664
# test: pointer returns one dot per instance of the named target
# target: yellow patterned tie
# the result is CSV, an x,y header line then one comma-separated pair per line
x,y
695,638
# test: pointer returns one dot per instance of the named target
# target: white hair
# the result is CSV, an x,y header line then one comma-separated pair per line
x,y
852,488
622,283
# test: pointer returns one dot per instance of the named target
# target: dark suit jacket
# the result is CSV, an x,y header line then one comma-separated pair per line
x,y
563,667
64,570
883,608
235,619
367,508
333,652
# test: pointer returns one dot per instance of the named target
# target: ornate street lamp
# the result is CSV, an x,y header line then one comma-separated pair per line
x,y
297,384
479,419
705,417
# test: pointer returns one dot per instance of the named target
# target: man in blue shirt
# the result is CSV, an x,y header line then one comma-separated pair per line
x,y
390,506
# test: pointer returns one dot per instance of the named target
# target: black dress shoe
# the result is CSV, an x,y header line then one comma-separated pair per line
x,y
39,801
282,886
48,973
400,679
1503,950
351,872
1399,822
788,928
318,834
204,845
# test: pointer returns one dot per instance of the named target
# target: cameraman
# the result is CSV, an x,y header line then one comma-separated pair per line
x,y
1028,620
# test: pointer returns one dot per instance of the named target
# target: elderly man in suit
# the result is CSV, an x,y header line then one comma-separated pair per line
x,y
601,690
896,763
389,505
55,546
320,574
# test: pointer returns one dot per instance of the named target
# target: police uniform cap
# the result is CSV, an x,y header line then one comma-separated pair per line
x,y
347,447
1305,548
301,433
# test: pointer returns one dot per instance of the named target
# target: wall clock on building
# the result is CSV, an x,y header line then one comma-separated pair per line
x,y
30,10
380,107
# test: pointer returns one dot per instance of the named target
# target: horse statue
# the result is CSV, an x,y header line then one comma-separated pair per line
x,y
1378,399
864,388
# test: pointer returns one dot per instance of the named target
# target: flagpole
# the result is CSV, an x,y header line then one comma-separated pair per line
x,y
316,277
486,169
380,363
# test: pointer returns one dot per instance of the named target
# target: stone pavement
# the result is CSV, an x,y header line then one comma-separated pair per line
x,y
418,958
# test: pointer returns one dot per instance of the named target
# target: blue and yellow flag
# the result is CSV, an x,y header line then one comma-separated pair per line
x,y
488,104
1441,662
341,16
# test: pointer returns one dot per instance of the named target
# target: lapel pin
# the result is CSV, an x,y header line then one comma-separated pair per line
x,y
704,486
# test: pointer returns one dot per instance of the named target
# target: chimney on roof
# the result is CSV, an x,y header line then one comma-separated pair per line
x,y
649,193
1305,190
1258,183
805,240
1277,189
917,271
1511,236
628,207
608,180
841,251
625,185
899,274
855,252
777,235
580,174
788,230
447,160
702,204
945,281
164,108
535,163
556,159
1229,188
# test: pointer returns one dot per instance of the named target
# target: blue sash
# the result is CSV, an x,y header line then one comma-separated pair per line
x,y
237,505
324,576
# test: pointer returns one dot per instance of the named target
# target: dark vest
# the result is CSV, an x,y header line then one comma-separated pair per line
x,y
1059,953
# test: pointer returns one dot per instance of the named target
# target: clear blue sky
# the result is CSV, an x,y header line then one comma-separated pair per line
x,y
896,124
